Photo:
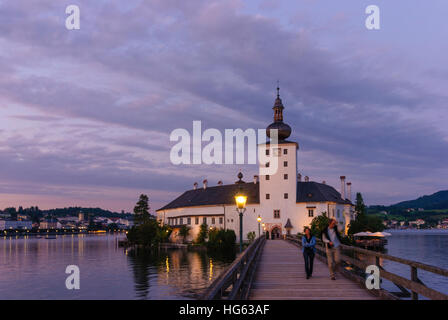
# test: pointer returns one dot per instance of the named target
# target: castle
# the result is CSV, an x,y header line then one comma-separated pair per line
x,y
281,201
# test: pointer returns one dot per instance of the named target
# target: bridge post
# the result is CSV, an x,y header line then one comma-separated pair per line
x,y
414,278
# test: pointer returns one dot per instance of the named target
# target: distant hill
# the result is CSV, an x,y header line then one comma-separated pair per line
x,y
73,211
436,201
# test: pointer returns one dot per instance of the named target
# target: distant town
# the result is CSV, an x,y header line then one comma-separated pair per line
x,y
427,212
73,219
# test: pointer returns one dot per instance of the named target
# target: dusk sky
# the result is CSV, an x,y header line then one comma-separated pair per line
x,y
86,115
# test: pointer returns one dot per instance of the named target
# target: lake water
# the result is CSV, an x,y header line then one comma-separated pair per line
x,y
426,246
34,268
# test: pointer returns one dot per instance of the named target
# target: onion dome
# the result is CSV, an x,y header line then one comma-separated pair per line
x,y
284,130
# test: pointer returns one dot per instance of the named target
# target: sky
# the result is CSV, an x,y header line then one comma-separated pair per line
x,y
86,115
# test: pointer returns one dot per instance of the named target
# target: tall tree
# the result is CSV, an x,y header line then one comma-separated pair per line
x,y
141,209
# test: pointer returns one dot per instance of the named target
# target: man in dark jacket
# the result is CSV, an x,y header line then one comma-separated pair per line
x,y
332,240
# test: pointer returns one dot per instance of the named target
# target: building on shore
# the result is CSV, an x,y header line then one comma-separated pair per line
x,y
15,225
284,202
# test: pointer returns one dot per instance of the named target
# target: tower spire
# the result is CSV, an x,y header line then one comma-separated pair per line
x,y
284,130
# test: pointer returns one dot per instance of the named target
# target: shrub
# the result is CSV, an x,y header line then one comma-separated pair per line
x,y
221,239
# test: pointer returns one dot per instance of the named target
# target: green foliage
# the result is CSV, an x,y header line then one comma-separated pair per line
x,y
221,239
141,210
202,235
251,236
184,232
364,222
148,234
318,224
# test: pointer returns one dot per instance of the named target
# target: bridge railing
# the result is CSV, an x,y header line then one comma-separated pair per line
x,y
414,284
236,280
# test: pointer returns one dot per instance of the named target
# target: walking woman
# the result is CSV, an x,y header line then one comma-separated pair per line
x,y
308,249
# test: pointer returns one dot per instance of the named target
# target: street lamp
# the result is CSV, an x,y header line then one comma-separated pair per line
x,y
240,200
259,220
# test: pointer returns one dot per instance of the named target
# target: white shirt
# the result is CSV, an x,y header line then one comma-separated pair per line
x,y
333,238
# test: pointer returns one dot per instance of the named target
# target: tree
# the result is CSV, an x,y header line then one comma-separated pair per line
x,y
251,236
202,235
318,224
363,222
141,210
184,232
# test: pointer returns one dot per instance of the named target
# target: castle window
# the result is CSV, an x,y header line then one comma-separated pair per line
x,y
276,214
310,213
213,220
267,177
285,196
267,164
268,196
285,176
188,220
285,163
267,152
196,220
285,151
221,220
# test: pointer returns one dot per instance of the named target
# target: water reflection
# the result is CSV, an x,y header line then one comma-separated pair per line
x,y
34,268
168,273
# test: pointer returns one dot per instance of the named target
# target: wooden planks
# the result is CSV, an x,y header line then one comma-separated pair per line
x,y
281,276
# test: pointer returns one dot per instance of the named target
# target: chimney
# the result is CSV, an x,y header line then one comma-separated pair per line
x,y
343,187
220,183
307,179
299,177
255,179
205,183
349,191
195,185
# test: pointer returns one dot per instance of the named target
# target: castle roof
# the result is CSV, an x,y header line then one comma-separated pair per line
x,y
219,195
224,195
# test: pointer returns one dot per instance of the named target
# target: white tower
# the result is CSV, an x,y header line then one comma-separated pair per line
x,y
278,191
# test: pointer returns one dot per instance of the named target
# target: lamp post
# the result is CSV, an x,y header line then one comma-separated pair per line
x,y
259,220
240,200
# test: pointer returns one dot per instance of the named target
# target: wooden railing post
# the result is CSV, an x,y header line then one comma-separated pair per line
x,y
414,277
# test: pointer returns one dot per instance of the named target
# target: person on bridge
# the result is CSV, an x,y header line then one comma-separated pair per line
x,y
332,240
308,249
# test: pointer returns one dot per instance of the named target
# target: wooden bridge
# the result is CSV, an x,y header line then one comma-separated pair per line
x,y
274,269
281,276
